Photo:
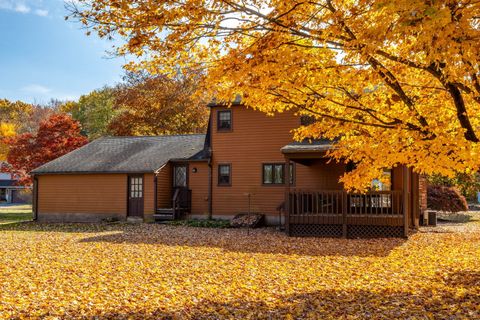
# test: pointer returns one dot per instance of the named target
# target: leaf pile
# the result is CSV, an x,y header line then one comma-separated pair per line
x,y
175,272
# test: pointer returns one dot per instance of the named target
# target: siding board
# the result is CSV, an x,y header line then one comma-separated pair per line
x,y
255,139
89,197
164,187
198,183
149,196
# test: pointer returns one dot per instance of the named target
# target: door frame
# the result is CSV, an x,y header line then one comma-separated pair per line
x,y
135,175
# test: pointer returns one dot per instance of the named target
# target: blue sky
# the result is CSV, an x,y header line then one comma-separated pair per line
x,y
42,56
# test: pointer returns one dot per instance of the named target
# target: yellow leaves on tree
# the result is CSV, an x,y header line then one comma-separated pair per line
x,y
13,116
6,130
397,82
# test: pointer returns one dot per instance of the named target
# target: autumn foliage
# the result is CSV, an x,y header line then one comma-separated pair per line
x,y
13,117
398,82
157,105
56,136
93,111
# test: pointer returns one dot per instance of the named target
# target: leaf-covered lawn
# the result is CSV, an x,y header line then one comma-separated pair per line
x,y
157,271
15,213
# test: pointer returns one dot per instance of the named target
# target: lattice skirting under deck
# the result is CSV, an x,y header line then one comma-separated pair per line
x,y
316,230
353,231
375,231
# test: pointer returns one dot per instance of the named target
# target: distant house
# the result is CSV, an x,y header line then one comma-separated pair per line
x,y
11,192
247,162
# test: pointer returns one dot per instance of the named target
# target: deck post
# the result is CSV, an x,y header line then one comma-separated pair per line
x,y
405,200
415,199
287,195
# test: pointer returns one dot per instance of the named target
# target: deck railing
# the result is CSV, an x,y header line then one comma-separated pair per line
x,y
337,202
337,213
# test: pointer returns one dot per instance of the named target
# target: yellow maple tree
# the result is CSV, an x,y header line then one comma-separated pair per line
x,y
13,116
6,130
397,82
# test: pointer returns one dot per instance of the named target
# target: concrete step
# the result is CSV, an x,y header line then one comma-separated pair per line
x,y
134,219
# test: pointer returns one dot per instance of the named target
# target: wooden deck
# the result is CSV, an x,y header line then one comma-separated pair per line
x,y
337,213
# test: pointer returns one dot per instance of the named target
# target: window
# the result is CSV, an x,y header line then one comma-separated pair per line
x,y
274,173
307,120
292,173
224,121
350,166
136,187
224,175
385,183
180,176
378,200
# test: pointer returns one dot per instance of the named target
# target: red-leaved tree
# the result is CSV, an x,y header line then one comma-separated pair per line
x,y
57,135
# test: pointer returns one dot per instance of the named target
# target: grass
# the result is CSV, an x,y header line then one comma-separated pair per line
x,y
202,223
15,213
151,271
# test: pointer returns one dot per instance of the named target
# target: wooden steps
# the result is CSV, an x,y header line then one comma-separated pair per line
x,y
164,214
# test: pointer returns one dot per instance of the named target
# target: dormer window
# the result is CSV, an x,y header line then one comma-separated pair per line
x,y
224,120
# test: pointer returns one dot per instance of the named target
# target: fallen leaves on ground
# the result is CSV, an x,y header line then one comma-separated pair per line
x,y
152,271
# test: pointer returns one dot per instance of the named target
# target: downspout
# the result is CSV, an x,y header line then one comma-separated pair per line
x,y
210,189
35,198
208,146
155,190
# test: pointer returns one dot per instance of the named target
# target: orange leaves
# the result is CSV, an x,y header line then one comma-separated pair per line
x,y
398,80
57,135
159,105
151,271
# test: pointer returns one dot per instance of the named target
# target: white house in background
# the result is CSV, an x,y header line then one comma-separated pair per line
x,y
10,192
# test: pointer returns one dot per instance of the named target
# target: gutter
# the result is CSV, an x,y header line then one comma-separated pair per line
x,y
159,169
90,172
306,149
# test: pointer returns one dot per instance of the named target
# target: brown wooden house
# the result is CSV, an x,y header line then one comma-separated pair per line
x,y
247,162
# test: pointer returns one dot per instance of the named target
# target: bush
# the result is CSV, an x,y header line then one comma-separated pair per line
x,y
211,223
448,199
248,220
468,184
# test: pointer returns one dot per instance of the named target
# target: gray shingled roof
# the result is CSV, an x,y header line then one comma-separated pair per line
x,y
308,146
126,154
216,103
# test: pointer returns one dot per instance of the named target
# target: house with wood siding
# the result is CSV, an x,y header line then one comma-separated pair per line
x,y
247,162
11,192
